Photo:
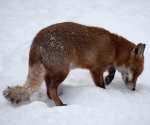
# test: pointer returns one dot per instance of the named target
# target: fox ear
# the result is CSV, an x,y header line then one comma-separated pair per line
x,y
139,50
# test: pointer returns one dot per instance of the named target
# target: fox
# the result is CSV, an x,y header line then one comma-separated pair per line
x,y
58,48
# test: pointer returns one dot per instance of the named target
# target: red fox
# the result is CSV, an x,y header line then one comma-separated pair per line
x,y
57,49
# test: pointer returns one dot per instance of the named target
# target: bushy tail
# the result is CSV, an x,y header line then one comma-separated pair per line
x,y
16,94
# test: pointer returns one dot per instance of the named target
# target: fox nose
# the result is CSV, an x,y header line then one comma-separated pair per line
x,y
133,89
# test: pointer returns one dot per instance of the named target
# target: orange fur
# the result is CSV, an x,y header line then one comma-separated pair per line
x,y
60,47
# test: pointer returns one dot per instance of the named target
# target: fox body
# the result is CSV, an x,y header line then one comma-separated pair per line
x,y
60,47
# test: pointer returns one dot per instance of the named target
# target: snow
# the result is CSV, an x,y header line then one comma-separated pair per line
x,y
87,104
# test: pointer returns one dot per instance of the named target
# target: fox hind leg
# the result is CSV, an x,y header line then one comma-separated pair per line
x,y
48,81
110,76
56,80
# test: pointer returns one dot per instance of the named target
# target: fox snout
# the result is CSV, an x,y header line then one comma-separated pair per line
x,y
127,81
130,86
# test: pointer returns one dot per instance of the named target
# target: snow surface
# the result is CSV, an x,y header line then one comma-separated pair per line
x,y
20,20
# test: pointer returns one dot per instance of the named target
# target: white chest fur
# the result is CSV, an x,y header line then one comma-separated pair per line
x,y
123,69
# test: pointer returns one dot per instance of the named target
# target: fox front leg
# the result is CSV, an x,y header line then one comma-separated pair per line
x,y
110,76
97,76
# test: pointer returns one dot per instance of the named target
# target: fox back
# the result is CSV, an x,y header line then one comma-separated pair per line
x,y
73,45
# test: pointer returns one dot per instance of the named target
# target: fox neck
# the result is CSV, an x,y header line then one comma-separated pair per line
x,y
123,50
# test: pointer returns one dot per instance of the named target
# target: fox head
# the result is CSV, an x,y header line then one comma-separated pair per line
x,y
133,67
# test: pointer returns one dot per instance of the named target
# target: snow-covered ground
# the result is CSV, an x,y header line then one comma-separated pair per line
x,y
20,20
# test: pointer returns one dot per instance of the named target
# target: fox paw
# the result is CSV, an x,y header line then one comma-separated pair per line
x,y
108,80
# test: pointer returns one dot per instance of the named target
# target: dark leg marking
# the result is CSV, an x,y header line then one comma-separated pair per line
x,y
110,76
